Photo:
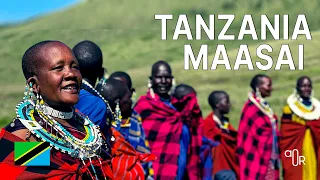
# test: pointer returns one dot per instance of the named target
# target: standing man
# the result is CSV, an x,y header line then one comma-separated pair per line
x,y
91,103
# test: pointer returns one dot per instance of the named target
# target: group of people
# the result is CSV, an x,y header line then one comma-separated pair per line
x,y
97,129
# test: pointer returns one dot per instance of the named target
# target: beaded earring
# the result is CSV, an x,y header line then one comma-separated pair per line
x,y
258,93
134,98
28,92
173,86
150,88
118,112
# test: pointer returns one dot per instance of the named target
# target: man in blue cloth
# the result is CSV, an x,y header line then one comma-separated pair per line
x,y
91,103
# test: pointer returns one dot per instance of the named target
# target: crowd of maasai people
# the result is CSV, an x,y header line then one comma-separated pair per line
x,y
98,129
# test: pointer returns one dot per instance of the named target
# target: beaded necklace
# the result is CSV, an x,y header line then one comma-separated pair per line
x,y
87,86
266,109
82,149
301,110
222,125
263,106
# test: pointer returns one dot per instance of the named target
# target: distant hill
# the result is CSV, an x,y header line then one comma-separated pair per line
x,y
131,41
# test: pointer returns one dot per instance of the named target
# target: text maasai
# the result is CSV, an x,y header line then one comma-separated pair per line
x,y
247,28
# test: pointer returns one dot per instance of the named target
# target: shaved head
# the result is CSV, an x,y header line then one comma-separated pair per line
x,y
182,90
33,56
215,97
122,76
160,66
112,90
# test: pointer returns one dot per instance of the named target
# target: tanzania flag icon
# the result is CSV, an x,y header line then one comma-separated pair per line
x,y
32,153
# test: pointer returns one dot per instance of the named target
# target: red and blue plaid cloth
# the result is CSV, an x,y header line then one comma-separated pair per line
x,y
254,143
163,128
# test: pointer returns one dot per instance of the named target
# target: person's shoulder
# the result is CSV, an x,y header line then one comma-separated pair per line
x,y
142,103
135,115
286,109
141,98
89,98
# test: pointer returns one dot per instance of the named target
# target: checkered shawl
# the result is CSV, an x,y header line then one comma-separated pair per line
x,y
224,155
58,169
192,116
254,143
206,157
163,128
292,137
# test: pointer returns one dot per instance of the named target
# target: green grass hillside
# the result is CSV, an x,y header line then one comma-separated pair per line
x,y
131,41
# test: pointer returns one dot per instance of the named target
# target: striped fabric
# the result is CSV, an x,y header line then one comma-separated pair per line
x,y
132,131
126,162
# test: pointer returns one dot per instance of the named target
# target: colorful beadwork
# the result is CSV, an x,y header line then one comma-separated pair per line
x,y
83,149
306,113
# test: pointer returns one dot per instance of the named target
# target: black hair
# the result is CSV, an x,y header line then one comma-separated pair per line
x,y
30,59
156,65
121,74
112,90
89,56
256,81
182,90
215,97
300,80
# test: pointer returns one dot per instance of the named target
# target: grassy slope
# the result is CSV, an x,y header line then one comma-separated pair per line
x,y
130,39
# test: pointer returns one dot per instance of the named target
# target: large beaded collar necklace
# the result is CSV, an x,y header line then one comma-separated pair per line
x,y
298,108
263,106
62,140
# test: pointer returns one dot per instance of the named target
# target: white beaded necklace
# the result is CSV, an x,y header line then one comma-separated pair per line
x,y
55,113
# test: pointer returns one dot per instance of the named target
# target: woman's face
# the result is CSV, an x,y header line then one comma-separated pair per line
x,y
59,79
265,87
304,89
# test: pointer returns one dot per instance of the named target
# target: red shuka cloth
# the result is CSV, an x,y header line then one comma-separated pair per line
x,y
192,116
163,128
125,162
254,143
224,155
58,169
292,135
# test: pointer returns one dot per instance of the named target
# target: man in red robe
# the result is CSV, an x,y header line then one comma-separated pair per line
x,y
218,128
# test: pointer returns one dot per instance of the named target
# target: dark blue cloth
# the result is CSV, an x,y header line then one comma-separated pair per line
x,y
225,175
183,157
93,107
206,157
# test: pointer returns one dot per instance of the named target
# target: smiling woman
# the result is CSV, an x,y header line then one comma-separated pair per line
x,y
47,114
300,126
